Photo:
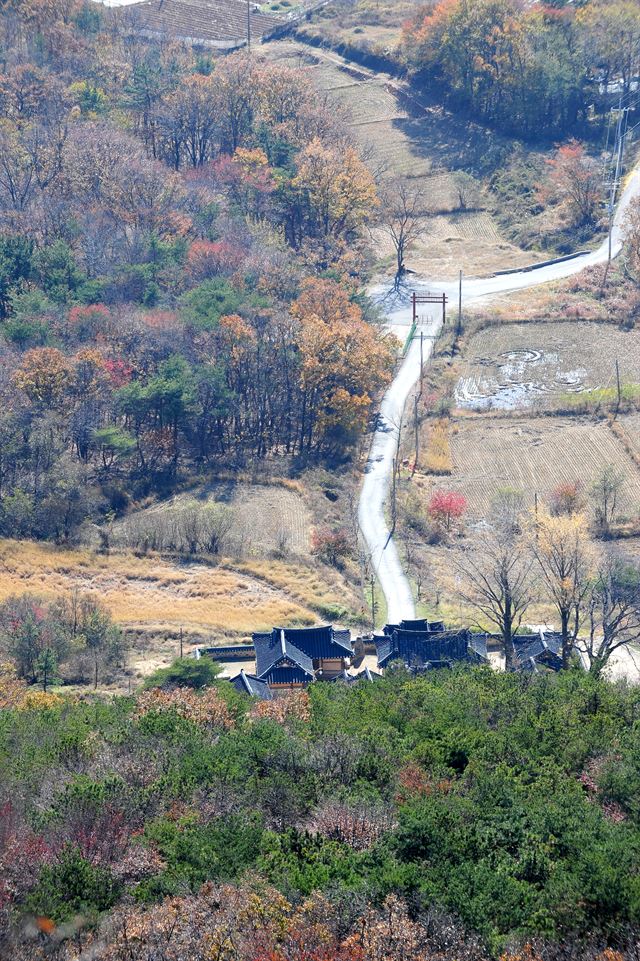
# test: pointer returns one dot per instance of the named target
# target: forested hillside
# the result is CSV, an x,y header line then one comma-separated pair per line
x,y
460,815
180,242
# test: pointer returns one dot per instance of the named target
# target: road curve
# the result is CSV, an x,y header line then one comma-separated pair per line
x,y
384,559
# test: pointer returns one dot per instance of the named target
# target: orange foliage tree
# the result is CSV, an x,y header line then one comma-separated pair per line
x,y
343,359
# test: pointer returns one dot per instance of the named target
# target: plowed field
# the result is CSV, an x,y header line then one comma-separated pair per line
x,y
535,456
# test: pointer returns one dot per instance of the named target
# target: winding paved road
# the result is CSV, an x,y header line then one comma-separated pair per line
x,y
382,549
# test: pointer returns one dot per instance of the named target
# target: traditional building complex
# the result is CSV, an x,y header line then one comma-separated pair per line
x,y
423,644
288,658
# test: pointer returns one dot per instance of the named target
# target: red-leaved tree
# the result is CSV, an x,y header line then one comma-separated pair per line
x,y
445,507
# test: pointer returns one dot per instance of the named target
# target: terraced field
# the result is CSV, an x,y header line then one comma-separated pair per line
x,y
220,24
213,23
423,144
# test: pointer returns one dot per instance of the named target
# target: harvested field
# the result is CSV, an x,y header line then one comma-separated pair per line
x,y
376,103
515,366
264,518
212,23
631,426
217,24
534,456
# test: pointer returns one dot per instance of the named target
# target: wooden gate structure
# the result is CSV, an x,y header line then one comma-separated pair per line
x,y
429,299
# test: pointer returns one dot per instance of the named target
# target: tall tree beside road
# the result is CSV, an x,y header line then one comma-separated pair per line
x,y
614,610
401,207
576,181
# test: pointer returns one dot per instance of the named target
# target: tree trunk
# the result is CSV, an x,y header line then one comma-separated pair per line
x,y
567,642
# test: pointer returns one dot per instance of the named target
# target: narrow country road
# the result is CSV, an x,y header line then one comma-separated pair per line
x,y
385,561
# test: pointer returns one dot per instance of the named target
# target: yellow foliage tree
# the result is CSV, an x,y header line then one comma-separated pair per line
x,y
562,549
339,189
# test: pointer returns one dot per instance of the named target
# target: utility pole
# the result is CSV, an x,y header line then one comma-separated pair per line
x,y
416,400
374,606
619,154
459,331
249,26
393,498
416,427
618,387
181,642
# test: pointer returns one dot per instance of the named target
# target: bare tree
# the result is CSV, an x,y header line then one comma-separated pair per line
x,y
561,548
466,190
604,497
497,580
614,610
402,206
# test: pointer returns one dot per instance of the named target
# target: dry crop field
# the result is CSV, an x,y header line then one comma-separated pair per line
x,y
512,366
217,24
535,455
368,24
424,144
264,517
631,426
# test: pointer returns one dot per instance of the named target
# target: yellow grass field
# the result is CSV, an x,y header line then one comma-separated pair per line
x,y
154,595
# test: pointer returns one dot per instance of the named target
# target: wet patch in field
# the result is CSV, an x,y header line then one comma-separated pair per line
x,y
517,378
516,366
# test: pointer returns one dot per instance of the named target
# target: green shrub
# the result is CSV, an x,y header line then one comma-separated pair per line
x,y
73,886
185,672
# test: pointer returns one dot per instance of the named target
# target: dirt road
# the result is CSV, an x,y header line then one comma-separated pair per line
x,y
375,488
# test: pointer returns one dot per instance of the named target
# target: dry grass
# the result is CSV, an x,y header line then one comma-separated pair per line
x,y
155,599
368,24
437,458
323,591
159,596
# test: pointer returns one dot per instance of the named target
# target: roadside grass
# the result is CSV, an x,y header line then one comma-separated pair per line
x,y
601,400
437,458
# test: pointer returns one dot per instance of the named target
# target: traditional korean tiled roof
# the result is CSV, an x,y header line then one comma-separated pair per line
x,y
421,625
384,649
315,642
425,647
229,652
478,644
275,650
250,684
542,649
364,675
